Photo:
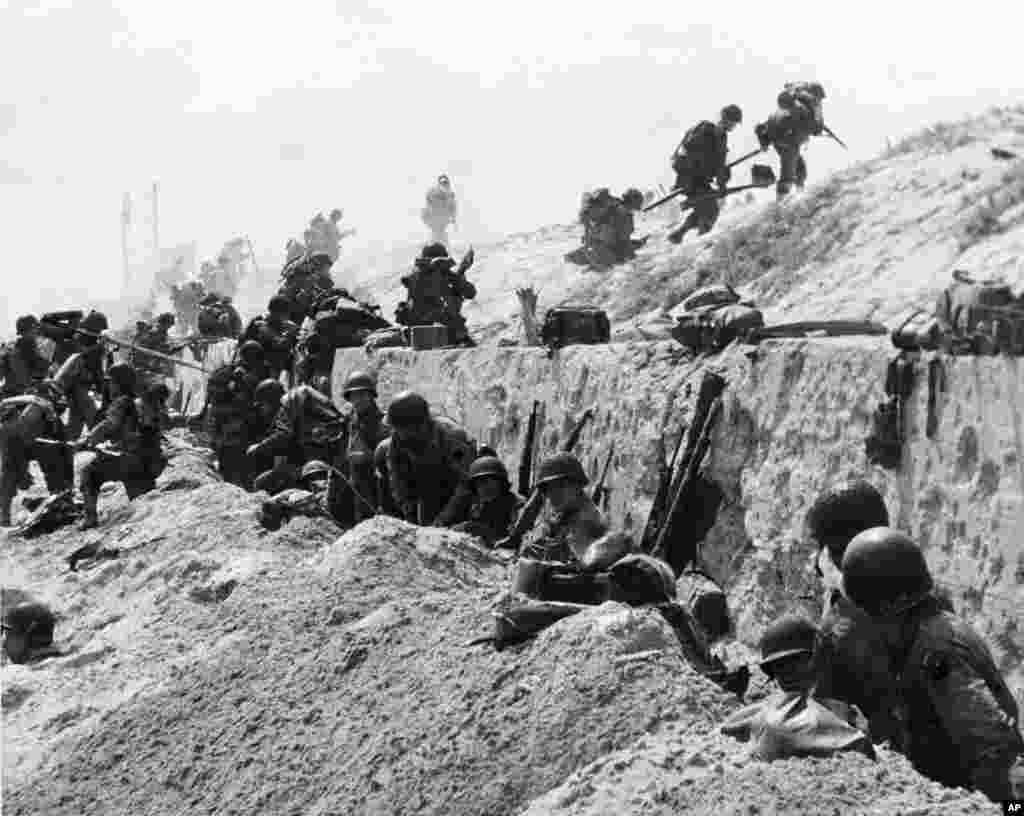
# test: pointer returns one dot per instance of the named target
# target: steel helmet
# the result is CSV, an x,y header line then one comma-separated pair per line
x,y
359,381
25,323
785,99
485,466
435,250
27,625
250,351
408,409
165,319
269,391
210,300
790,635
561,466
95,322
122,374
732,113
279,305
633,198
314,469
883,565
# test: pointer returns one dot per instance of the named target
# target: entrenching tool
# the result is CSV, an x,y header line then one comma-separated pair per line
x,y
601,492
529,443
761,175
828,131
678,191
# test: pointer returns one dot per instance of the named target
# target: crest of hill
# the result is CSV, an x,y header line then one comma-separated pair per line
x,y
870,242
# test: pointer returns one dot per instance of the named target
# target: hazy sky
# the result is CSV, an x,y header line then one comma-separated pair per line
x,y
253,116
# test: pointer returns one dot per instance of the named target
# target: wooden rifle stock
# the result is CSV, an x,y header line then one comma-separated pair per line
x,y
526,458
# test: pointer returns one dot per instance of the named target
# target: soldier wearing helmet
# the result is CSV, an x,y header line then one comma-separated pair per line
x,y
573,521
440,210
24,419
854,663
23,363
276,333
436,290
494,507
424,466
797,720
608,226
961,718
133,435
700,161
307,426
798,117
232,414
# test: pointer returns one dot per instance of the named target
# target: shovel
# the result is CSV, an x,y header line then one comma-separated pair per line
x,y
761,175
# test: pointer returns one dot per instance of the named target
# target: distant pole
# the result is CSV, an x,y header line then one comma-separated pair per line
x,y
126,220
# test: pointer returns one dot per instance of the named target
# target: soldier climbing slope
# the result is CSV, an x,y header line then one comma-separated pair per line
x,y
574,521
440,210
699,161
798,117
424,465
962,721
608,226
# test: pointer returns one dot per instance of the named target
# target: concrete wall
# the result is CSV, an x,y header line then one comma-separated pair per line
x,y
795,419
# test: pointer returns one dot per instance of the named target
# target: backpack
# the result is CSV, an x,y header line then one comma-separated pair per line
x,y
252,331
965,304
717,294
209,321
712,328
697,146
570,325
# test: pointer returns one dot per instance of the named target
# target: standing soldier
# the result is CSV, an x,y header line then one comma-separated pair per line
x,y
436,292
699,161
134,433
366,430
494,506
961,719
231,393
798,117
574,521
440,210
424,464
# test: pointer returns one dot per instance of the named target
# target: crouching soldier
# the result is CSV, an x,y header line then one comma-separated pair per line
x,y
133,429
574,522
424,465
961,718
796,721
493,507
308,426
30,428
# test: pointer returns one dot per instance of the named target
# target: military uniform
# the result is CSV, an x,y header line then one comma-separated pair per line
x,y
80,373
608,226
492,520
24,419
962,721
797,118
436,294
699,163
22,364
439,212
230,419
565,536
363,434
278,338
428,486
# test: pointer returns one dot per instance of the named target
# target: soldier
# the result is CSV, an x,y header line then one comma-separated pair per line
x,y
494,506
60,328
187,299
787,657
436,292
134,431
305,284
608,228
366,430
230,393
293,251
961,719
853,660
574,521
440,210
307,426
700,160
152,368
25,419
276,334
231,319
424,464
797,118
23,364
28,631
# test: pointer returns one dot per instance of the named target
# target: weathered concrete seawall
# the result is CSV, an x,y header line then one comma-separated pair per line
x,y
795,419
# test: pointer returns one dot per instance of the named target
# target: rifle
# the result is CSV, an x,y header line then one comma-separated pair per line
x,y
828,131
601,493
679,190
656,516
528,515
701,444
466,263
133,347
526,460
